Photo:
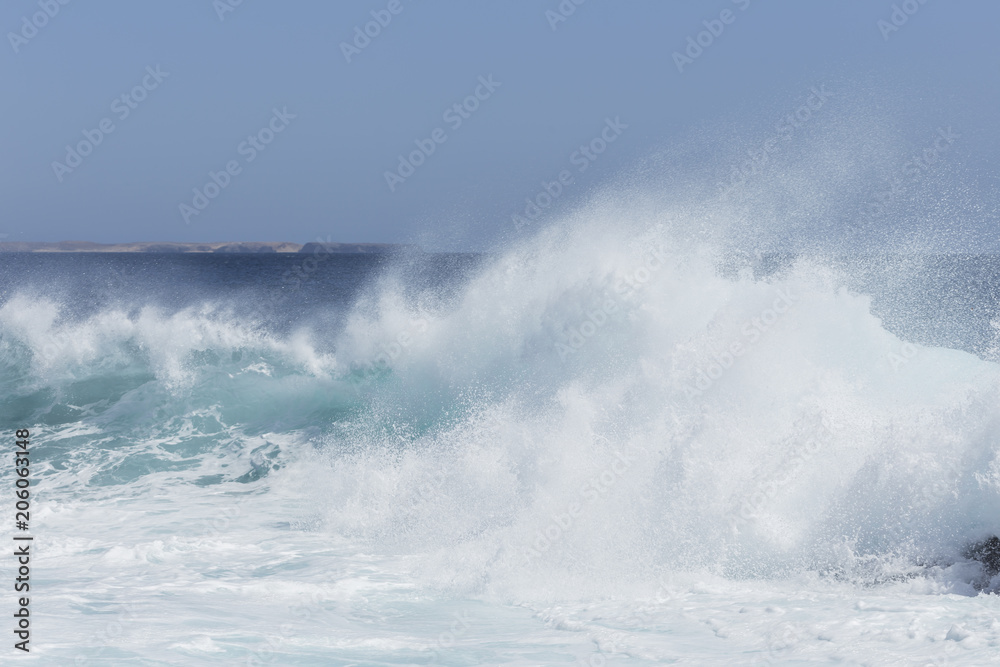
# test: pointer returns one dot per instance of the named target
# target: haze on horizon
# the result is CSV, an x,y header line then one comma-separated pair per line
x,y
298,119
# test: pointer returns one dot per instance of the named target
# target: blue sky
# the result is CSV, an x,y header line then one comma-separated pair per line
x,y
279,73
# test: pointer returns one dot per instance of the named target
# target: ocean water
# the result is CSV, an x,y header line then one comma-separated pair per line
x,y
596,447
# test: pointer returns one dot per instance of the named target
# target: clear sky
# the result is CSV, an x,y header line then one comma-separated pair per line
x,y
328,121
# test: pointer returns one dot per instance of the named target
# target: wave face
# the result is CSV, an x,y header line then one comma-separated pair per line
x,y
600,409
594,412
591,401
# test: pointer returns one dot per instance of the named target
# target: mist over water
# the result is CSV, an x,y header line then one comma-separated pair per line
x,y
652,398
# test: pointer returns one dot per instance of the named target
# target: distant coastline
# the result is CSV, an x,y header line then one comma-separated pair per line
x,y
224,247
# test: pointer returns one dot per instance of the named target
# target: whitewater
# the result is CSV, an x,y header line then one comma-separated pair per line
x,y
617,441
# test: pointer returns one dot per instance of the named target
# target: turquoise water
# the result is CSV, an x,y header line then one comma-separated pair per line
x,y
597,448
